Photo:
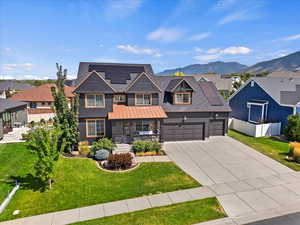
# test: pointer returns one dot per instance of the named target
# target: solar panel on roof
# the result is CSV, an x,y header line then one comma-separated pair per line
x,y
117,74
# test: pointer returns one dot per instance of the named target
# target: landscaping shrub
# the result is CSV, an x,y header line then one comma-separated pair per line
x,y
120,161
83,148
292,130
31,124
103,143
102,154
146,146
42,121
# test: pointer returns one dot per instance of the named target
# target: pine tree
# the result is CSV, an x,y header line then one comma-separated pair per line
x,y
66,115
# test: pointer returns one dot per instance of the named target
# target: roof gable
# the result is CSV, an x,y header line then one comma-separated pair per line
x,y
143,83
94,82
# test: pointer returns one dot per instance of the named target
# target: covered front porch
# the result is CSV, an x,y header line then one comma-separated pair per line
x,y
131,123
128,131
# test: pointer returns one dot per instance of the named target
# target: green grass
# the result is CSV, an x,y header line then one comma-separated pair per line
x,y
15,160
269,146
78,183
178,214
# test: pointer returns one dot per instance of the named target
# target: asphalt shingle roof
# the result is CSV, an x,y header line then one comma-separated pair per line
x,y
41,93
14,85
6,104
210,101
282,90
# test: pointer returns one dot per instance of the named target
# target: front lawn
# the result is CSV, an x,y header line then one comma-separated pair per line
x,y
15,160
178,214
269,146
78,183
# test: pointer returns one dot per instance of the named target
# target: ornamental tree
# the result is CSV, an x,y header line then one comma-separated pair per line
x,y
44,142
66,114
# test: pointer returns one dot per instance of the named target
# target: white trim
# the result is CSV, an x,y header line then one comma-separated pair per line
x,y
263,114
143,94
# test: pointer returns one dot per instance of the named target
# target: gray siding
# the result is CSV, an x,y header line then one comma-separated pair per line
x,y
95,112
19,114
143,85
94,84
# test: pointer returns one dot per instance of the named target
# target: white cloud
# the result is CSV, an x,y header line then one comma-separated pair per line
x,y
236,16
198,49
213,50
224,4
198,37
206,57
14,66
140,51
165,34
121,8
291,38
236,50
215,53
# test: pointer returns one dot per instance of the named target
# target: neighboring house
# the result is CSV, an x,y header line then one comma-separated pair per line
x,y
285,74
12,114
11,86
126,102
266,101
223,85
40,101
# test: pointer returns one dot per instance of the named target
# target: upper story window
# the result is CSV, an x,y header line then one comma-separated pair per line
x,y
183,98
94,101
119,98
143,99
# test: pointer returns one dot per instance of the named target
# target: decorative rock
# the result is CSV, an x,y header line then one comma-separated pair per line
x,y
75,153
16,212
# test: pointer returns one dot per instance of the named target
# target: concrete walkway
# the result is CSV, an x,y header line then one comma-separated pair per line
x,y
162,158
113,208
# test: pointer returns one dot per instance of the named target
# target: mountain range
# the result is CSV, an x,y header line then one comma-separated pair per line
x,y
289,62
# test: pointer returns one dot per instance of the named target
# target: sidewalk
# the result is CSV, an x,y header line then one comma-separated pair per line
x,y
113,208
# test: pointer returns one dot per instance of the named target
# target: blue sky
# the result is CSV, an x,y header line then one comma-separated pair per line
x,y
34,34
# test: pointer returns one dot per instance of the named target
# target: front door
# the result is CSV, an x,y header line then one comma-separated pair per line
x,y
126,131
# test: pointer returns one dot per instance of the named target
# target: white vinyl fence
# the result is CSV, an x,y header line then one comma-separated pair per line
x,y
255,130
38,117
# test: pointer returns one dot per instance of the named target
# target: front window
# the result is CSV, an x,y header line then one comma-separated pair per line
x,y
95,128
142,125
119,98
94,101
32,105
143,99
183,98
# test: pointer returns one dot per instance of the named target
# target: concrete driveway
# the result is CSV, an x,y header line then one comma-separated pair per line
x,y
221,160
249,185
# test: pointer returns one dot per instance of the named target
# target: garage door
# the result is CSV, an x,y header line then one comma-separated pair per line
x,y
216,127
183,131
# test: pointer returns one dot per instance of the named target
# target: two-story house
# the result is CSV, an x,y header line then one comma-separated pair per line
x,y
127,102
